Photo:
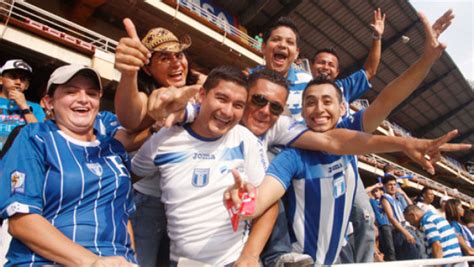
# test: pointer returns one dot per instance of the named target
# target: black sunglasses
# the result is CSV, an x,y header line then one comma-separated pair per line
x,y
260,101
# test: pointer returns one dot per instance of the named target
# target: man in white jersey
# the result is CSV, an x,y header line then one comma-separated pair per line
x,y
195,162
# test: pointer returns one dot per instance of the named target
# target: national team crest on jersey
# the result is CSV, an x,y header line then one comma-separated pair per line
x,y
339,187
200,177
95,168
18,182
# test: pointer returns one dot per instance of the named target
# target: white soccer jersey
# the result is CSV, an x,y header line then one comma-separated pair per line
x,y
195,172
284,132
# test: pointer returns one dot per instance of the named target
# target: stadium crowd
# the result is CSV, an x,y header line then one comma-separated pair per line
x,y
237,168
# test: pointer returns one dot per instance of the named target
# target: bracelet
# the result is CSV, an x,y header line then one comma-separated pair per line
x,y
26,111
376,36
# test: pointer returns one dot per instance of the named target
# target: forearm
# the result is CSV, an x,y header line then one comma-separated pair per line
x,y
436,250
395,93
349,142
43,238
260,232
30,118
130,106
373,59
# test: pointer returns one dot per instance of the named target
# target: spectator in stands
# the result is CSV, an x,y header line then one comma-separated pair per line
x,y
440,237
388,170
325,62
67,191
14,108
385,229
405,240
157,61
205,151
425,199
454,213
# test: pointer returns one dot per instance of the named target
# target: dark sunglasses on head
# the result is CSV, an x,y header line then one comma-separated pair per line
x,y
260,101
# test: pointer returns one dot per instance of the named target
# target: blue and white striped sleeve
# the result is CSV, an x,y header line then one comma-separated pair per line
x,y
431,232
284,167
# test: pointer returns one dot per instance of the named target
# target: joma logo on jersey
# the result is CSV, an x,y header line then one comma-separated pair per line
x,y
203,156
200,177
335,167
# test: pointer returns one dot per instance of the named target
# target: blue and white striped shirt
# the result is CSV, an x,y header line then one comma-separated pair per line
x,y
82,188
437,228
321,189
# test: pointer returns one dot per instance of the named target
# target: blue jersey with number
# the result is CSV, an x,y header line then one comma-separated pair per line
x,y
82,188
321,189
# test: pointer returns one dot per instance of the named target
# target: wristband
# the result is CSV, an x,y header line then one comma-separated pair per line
x,y
26,111
376,36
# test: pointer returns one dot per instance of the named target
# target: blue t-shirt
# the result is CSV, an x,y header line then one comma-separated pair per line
x,y
82,188
354,86
380,216
10,117
320,190
437,228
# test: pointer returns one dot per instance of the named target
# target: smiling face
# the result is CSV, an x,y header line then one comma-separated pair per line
x,y
322,107
280,50
75,105
168,69
325,64
222,108
258,119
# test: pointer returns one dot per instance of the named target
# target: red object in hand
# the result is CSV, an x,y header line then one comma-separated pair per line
x,y
246,208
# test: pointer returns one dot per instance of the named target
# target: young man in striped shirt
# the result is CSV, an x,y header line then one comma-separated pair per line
x,y
440,238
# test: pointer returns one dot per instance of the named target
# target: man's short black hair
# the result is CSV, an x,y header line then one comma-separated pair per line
x,y
388,178
282,22
388,168
227,73
269,75
324,80
329,50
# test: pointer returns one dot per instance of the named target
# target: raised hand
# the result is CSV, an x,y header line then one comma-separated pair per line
x,y
378,22
131,54
166,103
19,97
233,193
418,148
434,48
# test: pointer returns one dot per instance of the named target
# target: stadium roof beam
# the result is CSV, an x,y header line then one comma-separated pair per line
x,y
248,14
463,136
288,7
430,126
421,90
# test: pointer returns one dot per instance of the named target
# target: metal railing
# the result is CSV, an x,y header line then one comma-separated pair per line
x,y
219,22
23,11
454,261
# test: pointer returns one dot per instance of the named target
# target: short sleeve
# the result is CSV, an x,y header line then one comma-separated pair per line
x,y
143,161
285,131
431,233
353,122
285,166
107,124
256,161
22,174
355,85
